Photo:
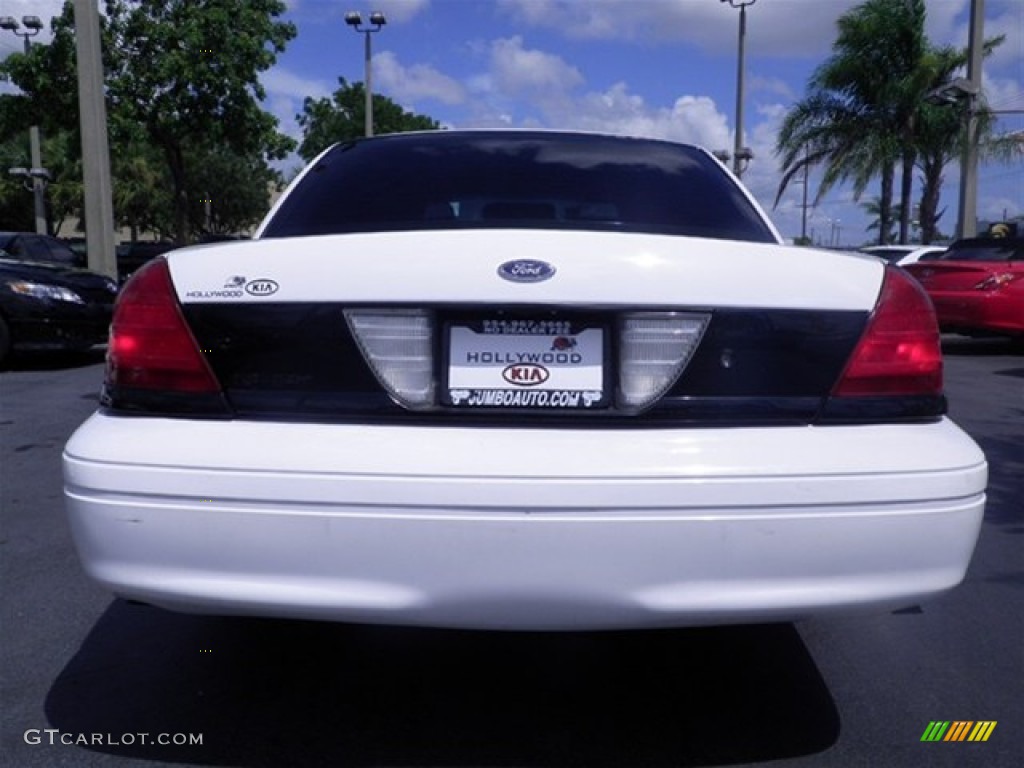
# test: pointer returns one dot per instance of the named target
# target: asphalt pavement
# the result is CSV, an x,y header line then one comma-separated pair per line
x,y
131,685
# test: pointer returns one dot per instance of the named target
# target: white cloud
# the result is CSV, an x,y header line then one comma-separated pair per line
x,y
1003,93
415,83
691,119
285,93
396,11
278,81
780,27
399,11
525,87
1008,58
998,208
616,110
517,70
771,85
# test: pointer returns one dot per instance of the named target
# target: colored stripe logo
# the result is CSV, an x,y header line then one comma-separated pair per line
x,y
958,730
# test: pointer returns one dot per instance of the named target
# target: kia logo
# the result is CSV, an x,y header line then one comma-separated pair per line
x,y
526,271
262,287
525,374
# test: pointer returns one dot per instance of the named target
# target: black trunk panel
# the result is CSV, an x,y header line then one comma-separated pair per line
x,y
299,361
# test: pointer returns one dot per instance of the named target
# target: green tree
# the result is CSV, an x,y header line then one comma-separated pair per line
x,y
15,201
824,130
873,208
234,190
180,75
65,194
940,134
63,190
48,100
858,118
181,78
342,117
867,113
48,81
189,73
142,188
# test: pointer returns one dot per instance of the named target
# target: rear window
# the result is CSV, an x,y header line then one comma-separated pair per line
x,y
479,180
985,249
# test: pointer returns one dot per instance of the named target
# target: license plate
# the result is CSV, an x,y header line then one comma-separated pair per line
x,y
517,363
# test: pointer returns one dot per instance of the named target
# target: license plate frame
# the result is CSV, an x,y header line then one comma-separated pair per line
x,y
545,363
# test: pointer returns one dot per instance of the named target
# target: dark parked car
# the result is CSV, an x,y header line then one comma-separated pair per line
x,y
131,256
28,246
52,307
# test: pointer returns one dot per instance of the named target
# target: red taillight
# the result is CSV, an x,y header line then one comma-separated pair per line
x,y
900,352
151,346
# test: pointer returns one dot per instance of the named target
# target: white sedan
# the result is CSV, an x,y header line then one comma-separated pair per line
x,y
902,255
522,380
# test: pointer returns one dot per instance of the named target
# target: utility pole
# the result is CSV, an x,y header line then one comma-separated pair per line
x,y
967,224
803,222
99,206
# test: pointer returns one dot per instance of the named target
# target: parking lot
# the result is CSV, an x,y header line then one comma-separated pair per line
x,y
87,680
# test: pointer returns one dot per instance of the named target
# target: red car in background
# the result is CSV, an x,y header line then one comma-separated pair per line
x,y
977,286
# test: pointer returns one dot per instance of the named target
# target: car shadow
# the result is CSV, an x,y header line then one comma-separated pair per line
x,y
967,346
54,361
1005,484
268,693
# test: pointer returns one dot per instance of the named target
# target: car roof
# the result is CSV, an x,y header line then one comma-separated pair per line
x,y
986,244
521,133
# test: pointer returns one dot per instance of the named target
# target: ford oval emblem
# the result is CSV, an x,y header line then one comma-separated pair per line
x,y
526,271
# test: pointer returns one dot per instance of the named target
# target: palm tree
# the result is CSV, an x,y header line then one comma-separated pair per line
x,y
860,116
873,208
940,134
825,130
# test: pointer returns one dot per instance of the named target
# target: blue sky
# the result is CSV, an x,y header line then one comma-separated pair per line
x,y
664,68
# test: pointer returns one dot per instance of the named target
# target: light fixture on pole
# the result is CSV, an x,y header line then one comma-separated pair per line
x,y
29,175
963,93
741,155
377,20
33,25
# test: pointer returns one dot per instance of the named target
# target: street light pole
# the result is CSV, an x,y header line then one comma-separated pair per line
x,y
33,25
739,153
377,20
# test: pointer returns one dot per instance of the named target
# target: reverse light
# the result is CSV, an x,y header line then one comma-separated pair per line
x,y
151,346
900,351
398,345
654,349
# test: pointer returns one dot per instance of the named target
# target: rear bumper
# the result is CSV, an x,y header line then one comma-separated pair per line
x,y
995,312
522,529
